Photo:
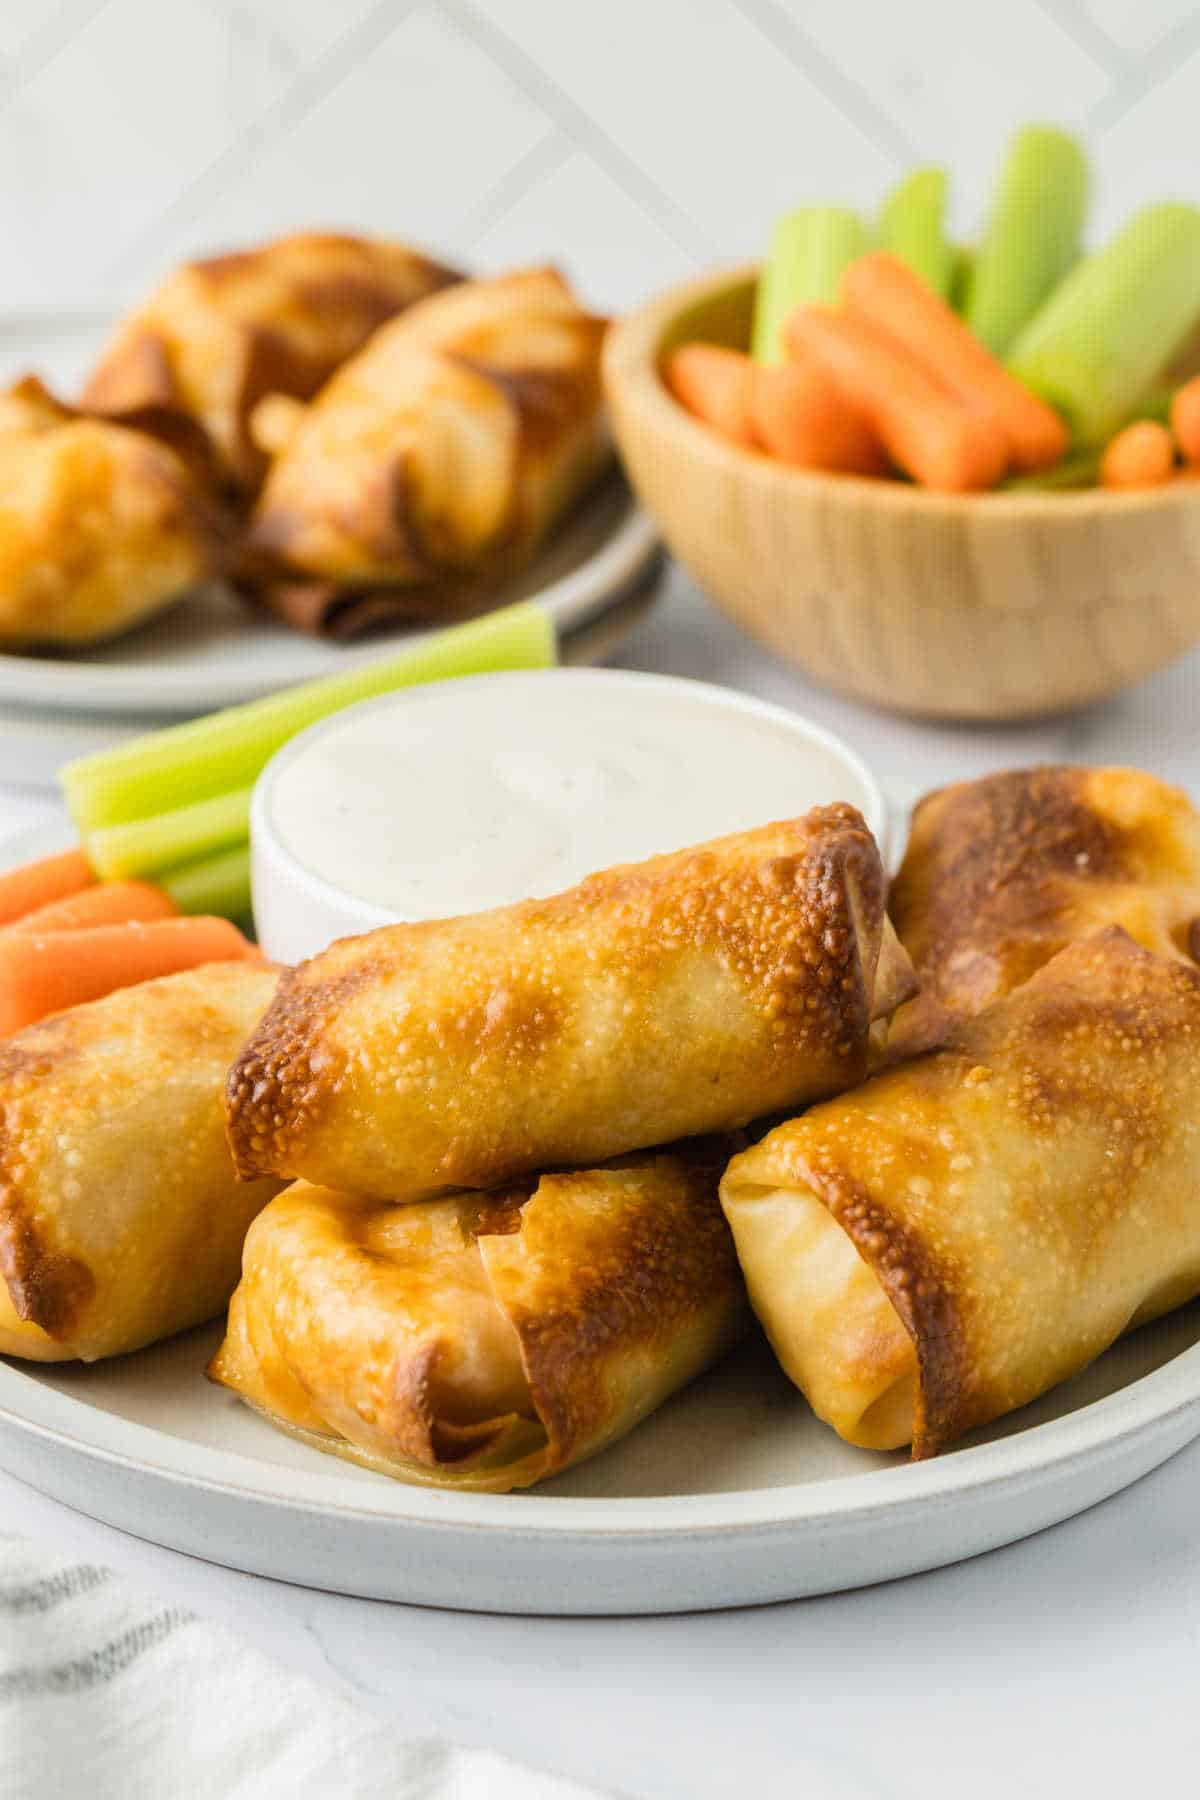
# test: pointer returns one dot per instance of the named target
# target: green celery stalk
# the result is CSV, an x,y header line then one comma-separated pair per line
x,y
809,250
171,769
1033,236
962,277
212,884
912,227
1116,320
1079,469
143,846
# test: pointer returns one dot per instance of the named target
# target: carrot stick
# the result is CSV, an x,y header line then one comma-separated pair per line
x,y
801,416
1141,456
46,972
716,385
883,292
39,883
1185,418
111,903
924,428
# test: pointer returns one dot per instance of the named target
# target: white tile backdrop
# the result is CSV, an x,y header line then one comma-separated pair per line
x,y
634,139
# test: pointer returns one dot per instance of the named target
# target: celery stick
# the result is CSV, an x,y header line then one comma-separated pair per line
x,y
144,846
1080,469
212,884
170,769
809,250
962,277
1119,316
912,227
1033,235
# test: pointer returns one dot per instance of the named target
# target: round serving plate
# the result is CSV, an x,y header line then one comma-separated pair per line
x,y
733,1494
211,649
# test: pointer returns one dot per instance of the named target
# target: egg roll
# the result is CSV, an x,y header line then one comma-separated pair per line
x,y
661,1000
967,1230
121,1218
437,458
218,334
485,1342
100,525
1001,874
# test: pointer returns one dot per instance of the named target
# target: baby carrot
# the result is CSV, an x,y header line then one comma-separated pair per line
x,y
882,291
46,972
111,903
716,385
39,883
801,416
923,427
1141,456
1185,418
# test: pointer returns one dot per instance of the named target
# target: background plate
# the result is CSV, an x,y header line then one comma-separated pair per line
x,y
210,650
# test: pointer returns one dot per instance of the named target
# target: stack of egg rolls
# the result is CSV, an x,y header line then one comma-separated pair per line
x,y
530,1182
539,1052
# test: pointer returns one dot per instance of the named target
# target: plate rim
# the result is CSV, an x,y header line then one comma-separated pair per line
x,y
1090,1432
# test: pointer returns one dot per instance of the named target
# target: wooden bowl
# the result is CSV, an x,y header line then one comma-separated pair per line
x,y
984,606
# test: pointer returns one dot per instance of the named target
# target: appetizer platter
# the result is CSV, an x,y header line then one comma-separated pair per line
x,y
783,1228
285,454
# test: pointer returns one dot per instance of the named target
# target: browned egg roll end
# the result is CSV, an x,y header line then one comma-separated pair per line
x,y
484,1342
121,1217
1002,873
973,1227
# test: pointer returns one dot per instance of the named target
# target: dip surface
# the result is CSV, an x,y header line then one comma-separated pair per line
x,y
477,793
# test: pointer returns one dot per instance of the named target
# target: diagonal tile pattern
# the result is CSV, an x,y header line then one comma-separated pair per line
x,y
634,139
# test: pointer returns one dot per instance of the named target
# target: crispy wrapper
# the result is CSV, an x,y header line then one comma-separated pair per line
x,y
661,1000
121,1218
964,1232
218,335
485,1342
100,525
444,451
1001,874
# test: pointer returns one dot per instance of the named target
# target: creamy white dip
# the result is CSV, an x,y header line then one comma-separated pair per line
x,y
476,793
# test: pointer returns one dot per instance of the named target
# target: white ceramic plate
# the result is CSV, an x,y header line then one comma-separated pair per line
x,y
210,650
733,1494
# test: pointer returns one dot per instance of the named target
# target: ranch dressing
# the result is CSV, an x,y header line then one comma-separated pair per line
x,y
476,793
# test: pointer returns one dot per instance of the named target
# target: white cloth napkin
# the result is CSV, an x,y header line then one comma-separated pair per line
x,y
108,1693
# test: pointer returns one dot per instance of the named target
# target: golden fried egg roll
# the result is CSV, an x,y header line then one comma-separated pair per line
x,y
1000,874
217,335
485,1341
100,526
121,1218
661,1000
446,448
973,1227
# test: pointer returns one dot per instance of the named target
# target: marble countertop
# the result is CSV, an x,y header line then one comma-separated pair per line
x,y
1061,1666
